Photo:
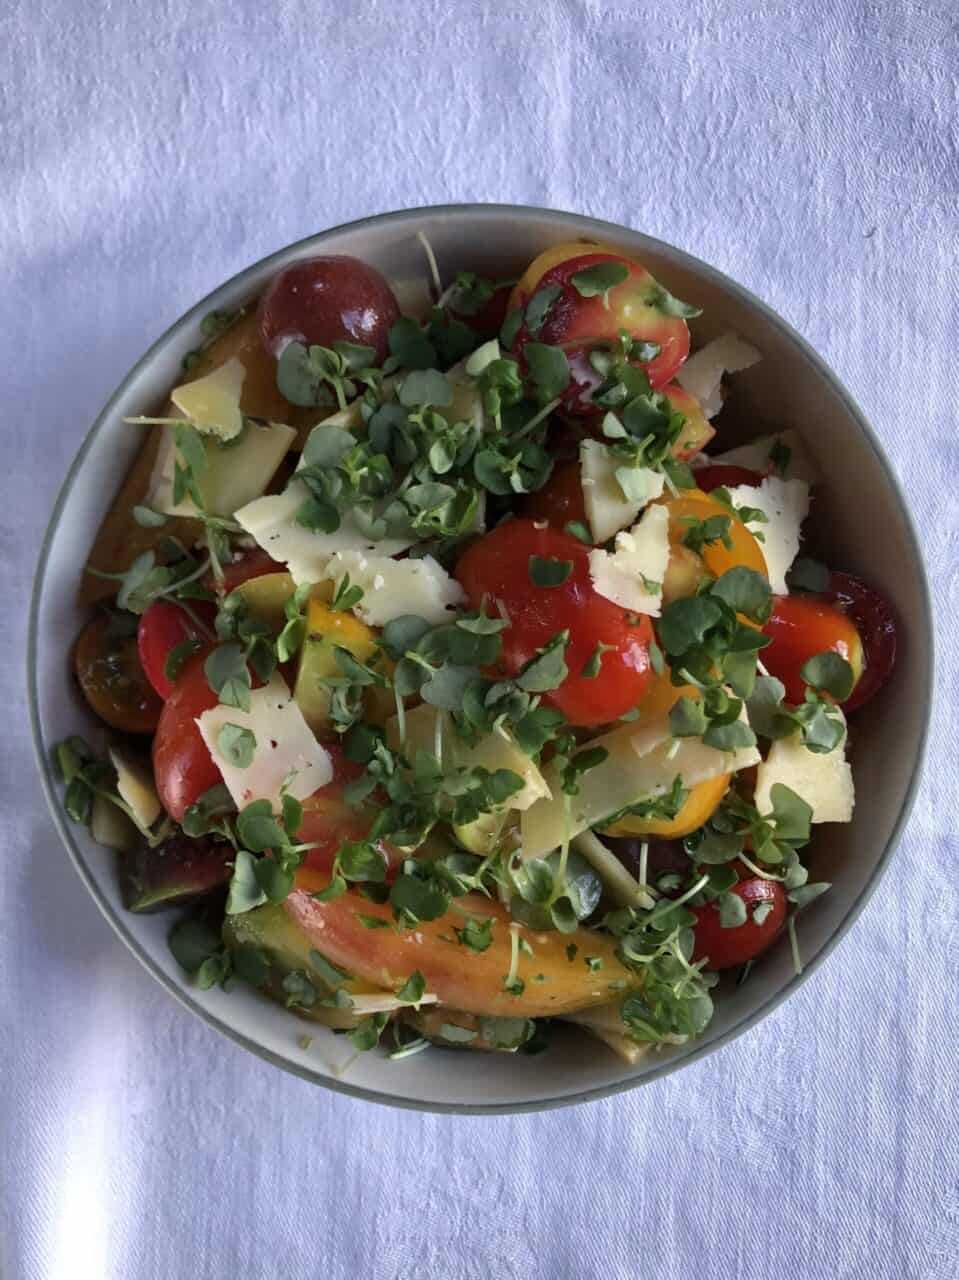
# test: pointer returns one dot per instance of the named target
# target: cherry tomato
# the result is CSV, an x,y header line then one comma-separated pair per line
x,y
162,627
252,564
488,320
112,678
722,476
578,323
800,627
328,820
878,629
324,300
727,948
182,765
498,566
561,498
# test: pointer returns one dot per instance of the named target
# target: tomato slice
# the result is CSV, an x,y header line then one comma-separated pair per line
x,y
721,475
182,765
878,629
801,626
498,567
578,324
726,948
162,627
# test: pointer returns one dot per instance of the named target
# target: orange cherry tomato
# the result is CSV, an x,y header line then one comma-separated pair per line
x,y
498,567
800,627
579,323
112,678
717,557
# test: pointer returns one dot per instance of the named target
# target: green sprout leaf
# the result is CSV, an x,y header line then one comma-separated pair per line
x,y
237,745
596,281
548,571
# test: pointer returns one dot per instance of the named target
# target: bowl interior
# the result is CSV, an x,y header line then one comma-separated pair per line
x,y
859,521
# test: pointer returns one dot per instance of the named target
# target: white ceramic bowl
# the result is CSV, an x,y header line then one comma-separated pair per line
x,y
860,522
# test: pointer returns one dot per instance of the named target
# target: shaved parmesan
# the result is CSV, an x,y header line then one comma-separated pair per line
x,y
135,785
632,575
702,374
414,297
822,779
633,770
272,523
392,588
212,403
286,752
786,505
361,1006
608,509
490,752
234,475
756,457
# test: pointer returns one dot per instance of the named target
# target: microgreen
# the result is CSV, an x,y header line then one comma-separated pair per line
x,y
660,298
548,571
538,307
313,376
596,281
548,370
808,575
237,745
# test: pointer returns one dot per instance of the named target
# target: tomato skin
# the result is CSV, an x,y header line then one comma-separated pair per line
x,y
182,765
328,820
333,298
573,317
561,498
727,948
497,566
162,627
878,629
723,476
801,626
252,564
112,678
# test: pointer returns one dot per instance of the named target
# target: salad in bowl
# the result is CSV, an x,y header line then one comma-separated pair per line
x,y
455,679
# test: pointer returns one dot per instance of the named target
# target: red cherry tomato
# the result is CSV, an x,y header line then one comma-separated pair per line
x,y
324,300
878,629
727,948
579,323
162,627
252,564
497,566
560,500
182,765
722,476
328,820
800,627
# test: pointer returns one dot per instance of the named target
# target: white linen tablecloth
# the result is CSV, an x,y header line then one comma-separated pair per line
x,y
151,148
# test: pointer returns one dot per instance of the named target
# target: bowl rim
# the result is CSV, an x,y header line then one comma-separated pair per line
x,y
119,921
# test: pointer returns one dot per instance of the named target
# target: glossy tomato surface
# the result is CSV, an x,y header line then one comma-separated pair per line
x,y
727,948
878,628
162,627
801,626
182,765
498,567
324,300
251,564
112,678
327,818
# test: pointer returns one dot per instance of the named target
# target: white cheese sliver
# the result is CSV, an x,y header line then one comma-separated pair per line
x,y
392,588
607,508
271,522
286,750
490,752
363,1005
633,770
755,456
702,374
632,575
212,403
822,779
136,786
234,476
786,505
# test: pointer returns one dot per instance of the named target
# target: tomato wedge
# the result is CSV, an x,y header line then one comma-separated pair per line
x,y
182,765
164,626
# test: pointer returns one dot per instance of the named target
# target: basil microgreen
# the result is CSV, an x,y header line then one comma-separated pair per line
x,y
237,745
576,529
548,571
830,673
660,298
228,675
539,306
596,281
475,934
808,575
704,533
410,347
548,371
412,990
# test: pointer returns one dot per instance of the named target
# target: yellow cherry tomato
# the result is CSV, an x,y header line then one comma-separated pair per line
x,y
716,556
700,804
